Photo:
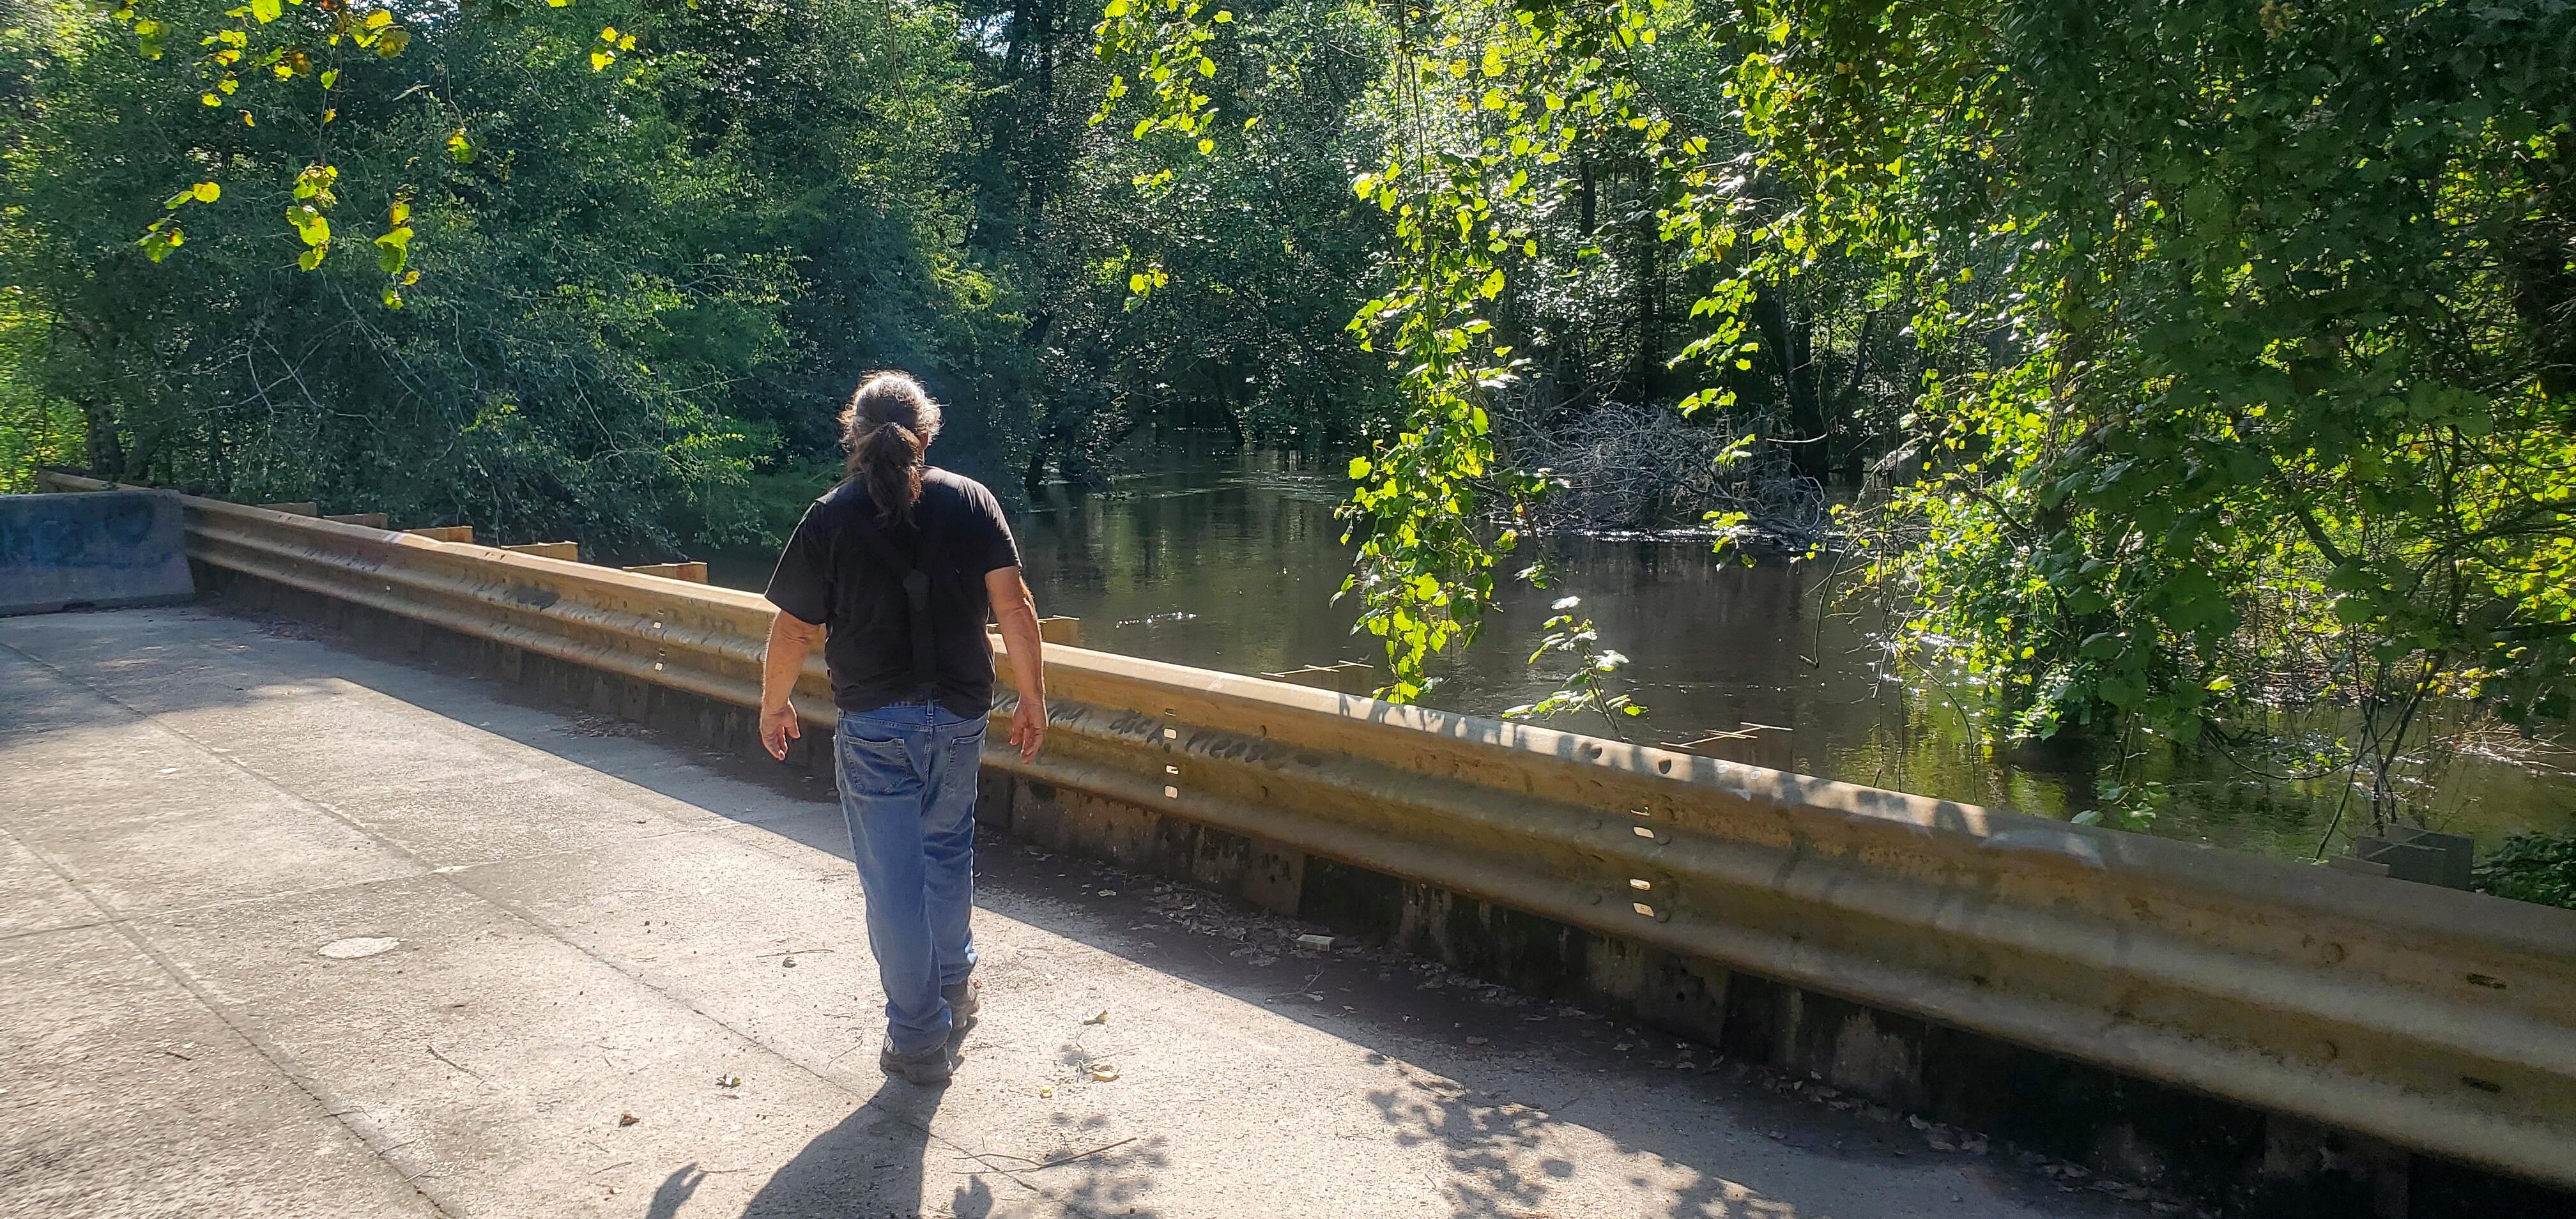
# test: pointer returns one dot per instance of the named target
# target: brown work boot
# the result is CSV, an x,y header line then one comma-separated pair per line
x,y
924,1067
964,1000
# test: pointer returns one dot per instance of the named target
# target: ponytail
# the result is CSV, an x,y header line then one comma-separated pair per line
x,y
887,428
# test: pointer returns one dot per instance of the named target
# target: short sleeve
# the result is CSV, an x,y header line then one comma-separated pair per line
x,y
989,546
801,584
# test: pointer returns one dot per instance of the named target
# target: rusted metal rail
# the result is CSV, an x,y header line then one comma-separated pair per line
x,y
2439,1020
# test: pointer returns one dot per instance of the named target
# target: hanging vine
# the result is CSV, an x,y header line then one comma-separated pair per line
x,y
1478,99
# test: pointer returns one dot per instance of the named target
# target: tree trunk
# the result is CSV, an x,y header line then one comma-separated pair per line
x,y
1587,197
1791,342
1034,474
103,448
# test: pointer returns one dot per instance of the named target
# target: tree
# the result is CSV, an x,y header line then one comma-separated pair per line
x,y
2276,301
599,296
2243,331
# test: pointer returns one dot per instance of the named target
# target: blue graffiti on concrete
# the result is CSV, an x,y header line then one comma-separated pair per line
x,y
99,548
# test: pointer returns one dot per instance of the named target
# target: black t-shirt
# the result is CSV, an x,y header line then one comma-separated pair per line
x,y
832,575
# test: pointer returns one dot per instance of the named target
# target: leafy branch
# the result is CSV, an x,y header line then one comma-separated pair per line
x,y
1586,690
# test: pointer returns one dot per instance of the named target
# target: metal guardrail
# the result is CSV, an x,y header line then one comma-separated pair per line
x,y
2438,1020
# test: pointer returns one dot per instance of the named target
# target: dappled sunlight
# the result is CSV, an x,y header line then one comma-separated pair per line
x,y
1505,1158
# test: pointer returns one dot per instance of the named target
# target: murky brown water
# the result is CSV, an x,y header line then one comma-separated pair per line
x,y
1231,564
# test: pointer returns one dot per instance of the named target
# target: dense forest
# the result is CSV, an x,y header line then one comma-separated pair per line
x,y
636,287
2167,366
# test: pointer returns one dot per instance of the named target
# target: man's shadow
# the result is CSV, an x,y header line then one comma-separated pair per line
x,y
867,1167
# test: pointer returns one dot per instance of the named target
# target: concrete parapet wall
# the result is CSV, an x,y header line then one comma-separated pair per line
x,y
91,551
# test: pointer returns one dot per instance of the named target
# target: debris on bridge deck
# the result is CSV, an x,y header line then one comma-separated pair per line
x,y
286,930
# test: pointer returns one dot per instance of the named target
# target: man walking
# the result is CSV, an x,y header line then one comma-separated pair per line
x,y
896,571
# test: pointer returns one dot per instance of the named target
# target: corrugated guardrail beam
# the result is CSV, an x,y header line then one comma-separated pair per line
x,y
2438,1020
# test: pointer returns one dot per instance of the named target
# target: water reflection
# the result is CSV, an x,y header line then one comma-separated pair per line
x,y
1232,564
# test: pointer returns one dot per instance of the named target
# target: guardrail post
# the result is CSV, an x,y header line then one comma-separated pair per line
x,y
1765,745
2421,856
570,552
1063,631
1341,677
445,533
687,569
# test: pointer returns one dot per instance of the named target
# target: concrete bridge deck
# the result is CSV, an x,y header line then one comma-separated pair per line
x,y
207,823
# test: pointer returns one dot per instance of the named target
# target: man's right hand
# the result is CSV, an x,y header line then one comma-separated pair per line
x,y
778,726
1028,727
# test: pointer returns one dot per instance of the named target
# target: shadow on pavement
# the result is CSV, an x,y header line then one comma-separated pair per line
x,y
870,1164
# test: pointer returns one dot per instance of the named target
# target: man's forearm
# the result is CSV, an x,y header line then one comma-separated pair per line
x,y
1020,636
784,660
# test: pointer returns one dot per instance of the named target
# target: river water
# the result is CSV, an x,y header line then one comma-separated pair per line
x,y
1231,563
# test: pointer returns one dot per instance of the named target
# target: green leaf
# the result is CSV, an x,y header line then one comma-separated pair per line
x,y
311,226
162,239
1359,468
266,11
206,192
310,258
392,250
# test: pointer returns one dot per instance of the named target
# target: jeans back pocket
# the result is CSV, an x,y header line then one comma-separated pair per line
x,y
873,766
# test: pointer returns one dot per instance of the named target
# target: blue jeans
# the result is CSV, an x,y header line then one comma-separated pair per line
x,y
907,778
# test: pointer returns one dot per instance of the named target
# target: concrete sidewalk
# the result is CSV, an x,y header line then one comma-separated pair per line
x,y
289,931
